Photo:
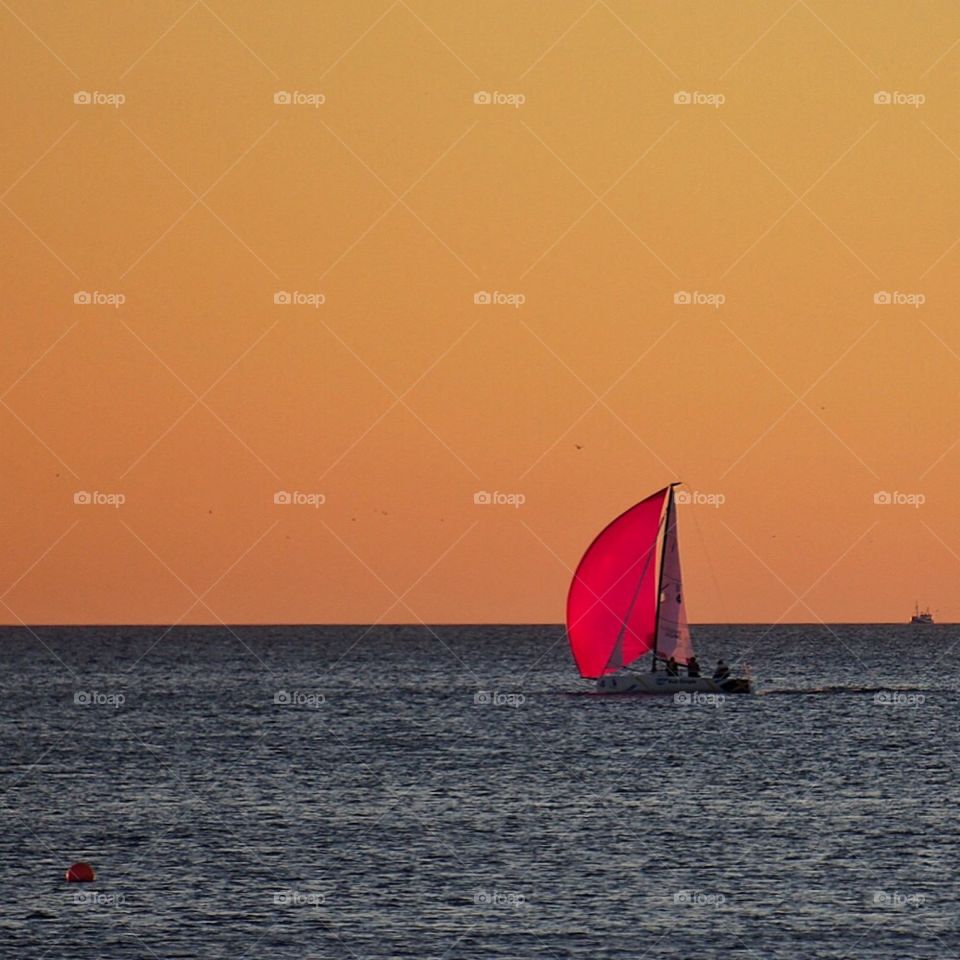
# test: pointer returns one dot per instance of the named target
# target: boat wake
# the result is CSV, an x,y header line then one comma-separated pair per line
x,y
891,692
836,689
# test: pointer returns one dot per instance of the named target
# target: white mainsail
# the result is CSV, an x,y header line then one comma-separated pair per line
x,y
673,634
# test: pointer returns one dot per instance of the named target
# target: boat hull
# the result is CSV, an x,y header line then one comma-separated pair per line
x,y
662,684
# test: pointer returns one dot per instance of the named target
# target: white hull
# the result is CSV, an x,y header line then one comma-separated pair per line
x,y
663,684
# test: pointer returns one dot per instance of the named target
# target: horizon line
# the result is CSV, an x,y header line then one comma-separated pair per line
x,y
456,623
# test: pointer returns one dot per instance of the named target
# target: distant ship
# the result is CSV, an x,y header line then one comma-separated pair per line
x,y
921,616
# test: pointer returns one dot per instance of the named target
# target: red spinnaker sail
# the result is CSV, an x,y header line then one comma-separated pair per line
x,y
612,604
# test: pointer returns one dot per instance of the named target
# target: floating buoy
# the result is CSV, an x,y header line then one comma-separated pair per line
x,y
80,873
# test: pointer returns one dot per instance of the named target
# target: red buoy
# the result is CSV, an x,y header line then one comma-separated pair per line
x,y
80,873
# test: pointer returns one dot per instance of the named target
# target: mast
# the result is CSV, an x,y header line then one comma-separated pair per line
x,y
663,557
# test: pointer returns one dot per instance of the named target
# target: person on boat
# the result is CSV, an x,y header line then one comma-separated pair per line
x,y
673,668
693,667
722,671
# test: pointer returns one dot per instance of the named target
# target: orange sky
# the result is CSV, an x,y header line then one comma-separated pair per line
x,y
589,192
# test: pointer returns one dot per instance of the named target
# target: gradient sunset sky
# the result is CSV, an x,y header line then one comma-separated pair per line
x,y
813,175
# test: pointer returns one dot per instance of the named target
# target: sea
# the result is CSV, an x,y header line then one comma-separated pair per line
x,y
458,792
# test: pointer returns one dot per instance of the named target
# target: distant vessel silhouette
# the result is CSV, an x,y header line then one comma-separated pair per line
x,y
921,616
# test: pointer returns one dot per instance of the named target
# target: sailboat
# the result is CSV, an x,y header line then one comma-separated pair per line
x,y
626,601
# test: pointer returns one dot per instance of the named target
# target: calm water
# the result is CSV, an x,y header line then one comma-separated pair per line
x,y
450,796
